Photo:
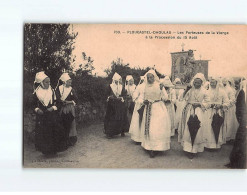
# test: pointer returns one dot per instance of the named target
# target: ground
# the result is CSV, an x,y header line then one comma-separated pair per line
x,y
94,150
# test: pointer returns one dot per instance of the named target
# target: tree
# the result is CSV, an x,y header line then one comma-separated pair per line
x,y
48,47
87,64
123,69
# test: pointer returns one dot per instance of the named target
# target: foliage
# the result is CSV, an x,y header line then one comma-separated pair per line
x,y
124,69
87,63
47,47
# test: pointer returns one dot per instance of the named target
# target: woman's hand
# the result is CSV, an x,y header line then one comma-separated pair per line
x,y
218,106
146,102
167,101
197,105
50,109
40,112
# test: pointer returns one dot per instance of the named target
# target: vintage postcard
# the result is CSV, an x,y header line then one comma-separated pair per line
x,y
134,96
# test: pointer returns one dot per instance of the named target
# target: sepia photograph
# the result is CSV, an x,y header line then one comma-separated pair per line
x,y
135,96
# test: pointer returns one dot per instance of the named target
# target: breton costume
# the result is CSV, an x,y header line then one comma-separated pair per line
x,y
166,82
238,154
231,119
156,127
193,113
50,136
135,125
214,136
67,98
116,120
179,103
130,88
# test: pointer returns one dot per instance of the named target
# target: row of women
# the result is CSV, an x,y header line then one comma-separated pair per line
x,y
55,128
204,117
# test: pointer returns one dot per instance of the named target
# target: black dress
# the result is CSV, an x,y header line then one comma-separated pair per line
x,y
68,119
238,154
116,120
50,136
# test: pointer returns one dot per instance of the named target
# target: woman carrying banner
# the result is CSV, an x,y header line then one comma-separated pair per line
x,y
116,121
214,135
156,127
194,122
67,98
135,125
50,136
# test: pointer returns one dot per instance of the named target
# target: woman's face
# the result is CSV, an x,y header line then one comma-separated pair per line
x,y
224,82
150,78
237,85
178,83
213,83
197,83
46,83
131,82
68,83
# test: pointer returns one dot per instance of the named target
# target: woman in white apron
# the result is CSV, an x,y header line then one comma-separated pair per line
x,y
156,127
218,105
197,101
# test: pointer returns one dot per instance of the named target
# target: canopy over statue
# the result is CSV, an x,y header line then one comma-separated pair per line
x,y
184,66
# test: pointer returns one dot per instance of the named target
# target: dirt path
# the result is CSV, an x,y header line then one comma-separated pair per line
x,y
93,150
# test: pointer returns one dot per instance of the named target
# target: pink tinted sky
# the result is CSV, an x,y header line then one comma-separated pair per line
x,y
228,53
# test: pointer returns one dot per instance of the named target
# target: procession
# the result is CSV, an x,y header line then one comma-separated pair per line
x,y
204,115
129,116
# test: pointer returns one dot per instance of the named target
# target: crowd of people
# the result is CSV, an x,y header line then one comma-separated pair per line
x,y
204,115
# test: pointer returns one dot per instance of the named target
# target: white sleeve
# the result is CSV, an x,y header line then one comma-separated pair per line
x,y
54,107
164,95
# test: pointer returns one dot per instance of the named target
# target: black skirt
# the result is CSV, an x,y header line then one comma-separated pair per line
x,y
116,120
50,136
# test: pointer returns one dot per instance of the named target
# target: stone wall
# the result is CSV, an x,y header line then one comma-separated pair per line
x,y
86,114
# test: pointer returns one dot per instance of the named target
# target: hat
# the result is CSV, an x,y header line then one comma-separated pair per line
x,y
176,80
198,76
167,82
129,77
40,76
116,77
65,77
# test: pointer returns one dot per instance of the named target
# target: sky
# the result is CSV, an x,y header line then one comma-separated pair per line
x,y
227,51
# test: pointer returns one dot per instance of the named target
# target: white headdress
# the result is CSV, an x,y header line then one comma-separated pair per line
x,y
130,88
44,95
65,77
198,76
116,77
40,76
219,83
129,77
176,80
156,78
231,82
167,82
116,88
